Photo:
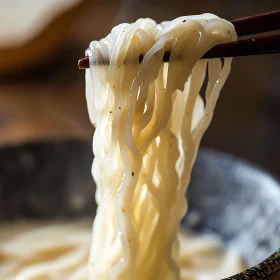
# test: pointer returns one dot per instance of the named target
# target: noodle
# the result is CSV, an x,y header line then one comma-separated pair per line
x,y
149,122
47,250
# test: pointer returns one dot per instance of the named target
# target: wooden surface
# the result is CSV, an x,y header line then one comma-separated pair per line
x,y
44,104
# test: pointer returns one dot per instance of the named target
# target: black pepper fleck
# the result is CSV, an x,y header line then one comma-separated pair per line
x,y
141,56
132,173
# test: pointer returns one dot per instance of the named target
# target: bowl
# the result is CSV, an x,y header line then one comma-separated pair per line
x,y
241,203
228,196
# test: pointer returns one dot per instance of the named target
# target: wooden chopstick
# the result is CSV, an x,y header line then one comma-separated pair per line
x,y
258,23
254,46
244,27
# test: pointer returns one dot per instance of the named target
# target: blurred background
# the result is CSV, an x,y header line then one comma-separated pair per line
x,y
44,126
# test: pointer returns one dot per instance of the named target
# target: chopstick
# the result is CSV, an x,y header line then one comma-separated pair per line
x,y
244,26
255,46
258,23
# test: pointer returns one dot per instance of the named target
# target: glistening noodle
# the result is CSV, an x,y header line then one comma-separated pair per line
x,y
149,120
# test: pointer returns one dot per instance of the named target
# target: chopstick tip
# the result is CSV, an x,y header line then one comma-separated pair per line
x,y
83,63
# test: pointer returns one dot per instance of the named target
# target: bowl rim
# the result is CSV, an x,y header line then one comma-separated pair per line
x,y
229,156
260,271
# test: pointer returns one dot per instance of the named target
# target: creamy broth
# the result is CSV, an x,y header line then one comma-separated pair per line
x,y
58,250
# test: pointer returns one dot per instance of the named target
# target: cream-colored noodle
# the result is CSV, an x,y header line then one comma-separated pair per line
x,y
44,251
149,120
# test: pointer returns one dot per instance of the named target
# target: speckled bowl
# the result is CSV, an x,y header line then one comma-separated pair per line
x,y
227,196
241,203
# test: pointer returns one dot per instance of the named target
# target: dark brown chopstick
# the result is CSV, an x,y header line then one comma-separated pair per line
x,y
255,46
258,23
244,26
